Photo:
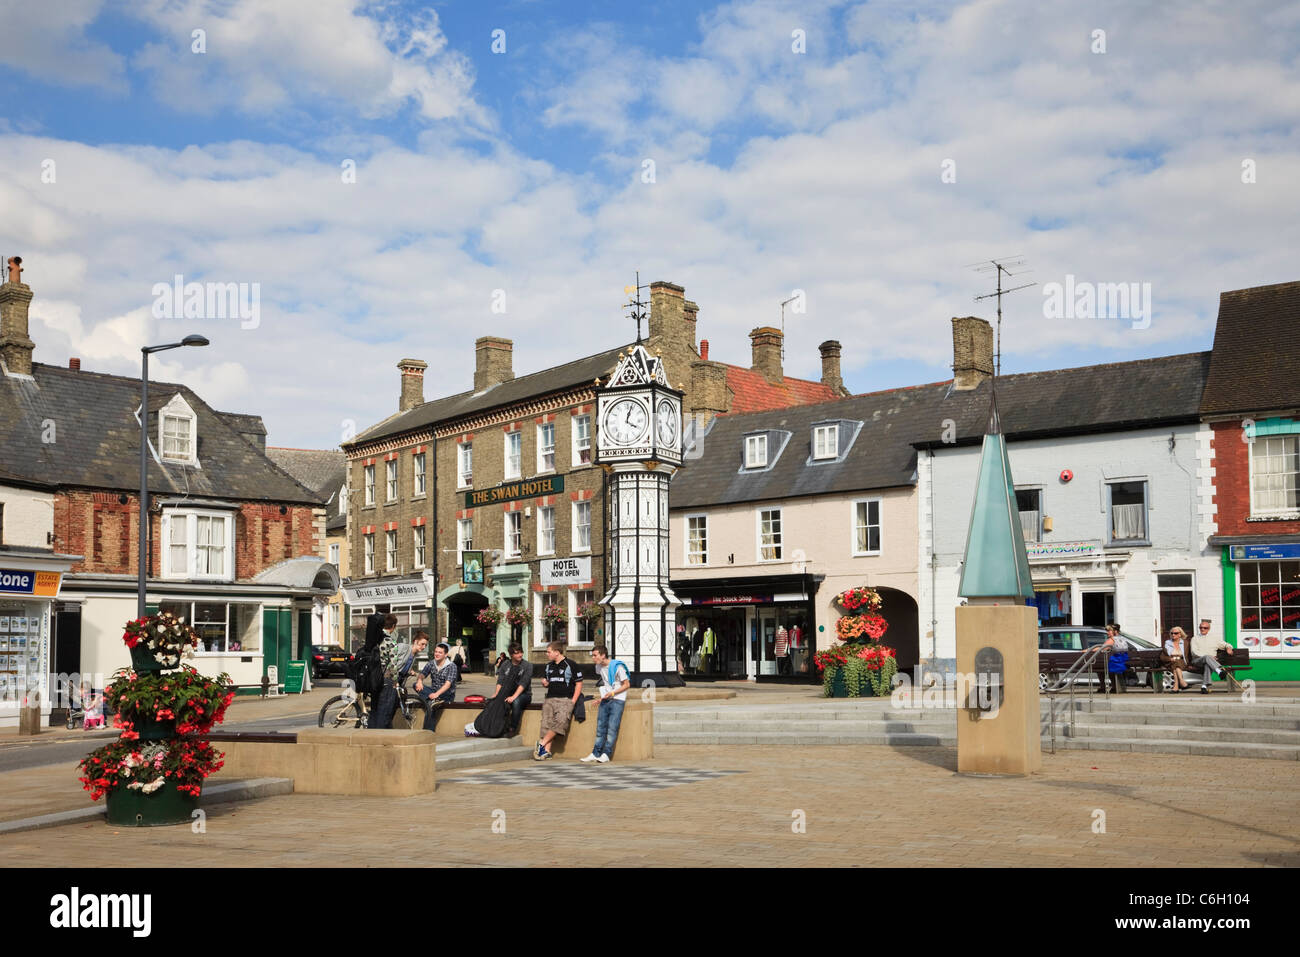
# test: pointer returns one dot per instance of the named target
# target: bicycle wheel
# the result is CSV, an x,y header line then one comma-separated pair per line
x,y
341,711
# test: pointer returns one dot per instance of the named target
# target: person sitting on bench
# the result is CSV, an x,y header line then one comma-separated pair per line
x,y
1205,655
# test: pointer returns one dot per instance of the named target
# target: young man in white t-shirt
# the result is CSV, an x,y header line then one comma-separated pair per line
x,y
614,682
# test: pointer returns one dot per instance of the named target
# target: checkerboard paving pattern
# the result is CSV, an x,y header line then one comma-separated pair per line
x,y
595,777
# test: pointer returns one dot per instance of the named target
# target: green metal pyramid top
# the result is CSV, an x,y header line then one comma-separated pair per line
x,y
996,564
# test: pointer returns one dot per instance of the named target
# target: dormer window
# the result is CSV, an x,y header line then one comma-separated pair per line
x,y
755,451
177,441
826,441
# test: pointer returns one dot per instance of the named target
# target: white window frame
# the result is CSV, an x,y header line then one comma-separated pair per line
x,y
779,544
853,525
177,409
343,499
390,549
544,430
578,626
703,555
1110,539
418,545
368,545
1038,532
830,447
335,553
545,513
464,544
368,482
465,465
578,446
1255,510
513,541
187,521
419,481
514,457
336,622
390,480
578,509
755,451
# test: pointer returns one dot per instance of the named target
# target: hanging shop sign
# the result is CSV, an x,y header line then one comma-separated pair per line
x,y
23,582
512,491
471,569
566,571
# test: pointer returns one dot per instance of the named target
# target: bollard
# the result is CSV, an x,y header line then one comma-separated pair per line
x,y
29,718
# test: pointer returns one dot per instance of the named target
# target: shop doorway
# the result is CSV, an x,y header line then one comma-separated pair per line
x,y
711,643
1177,603
463,625
1098,608
780,643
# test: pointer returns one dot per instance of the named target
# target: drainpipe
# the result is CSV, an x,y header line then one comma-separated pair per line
x,y
934,561
436,546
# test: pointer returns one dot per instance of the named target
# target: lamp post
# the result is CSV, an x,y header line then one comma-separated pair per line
x,y
142,558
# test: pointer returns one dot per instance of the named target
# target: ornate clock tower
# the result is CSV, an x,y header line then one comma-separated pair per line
x,y
639,444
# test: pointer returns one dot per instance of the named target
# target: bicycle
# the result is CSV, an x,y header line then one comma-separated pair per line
x,y
353,710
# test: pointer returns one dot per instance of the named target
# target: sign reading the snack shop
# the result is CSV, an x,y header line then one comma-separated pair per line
x,y
513,491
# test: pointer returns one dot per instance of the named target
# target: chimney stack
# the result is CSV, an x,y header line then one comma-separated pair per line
x,y
493,362
704,350
412,384
766,344
972,352
16,346
830,350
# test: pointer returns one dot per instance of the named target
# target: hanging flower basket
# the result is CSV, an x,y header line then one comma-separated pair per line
x,y
517,618
553,614
158,642
870,627
859,599
489,616
589,610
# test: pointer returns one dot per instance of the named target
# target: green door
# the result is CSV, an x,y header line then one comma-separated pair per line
x,y
277,639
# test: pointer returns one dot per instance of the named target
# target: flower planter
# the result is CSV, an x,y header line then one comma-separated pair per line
x,y
151,730
142,660
133,808
839,690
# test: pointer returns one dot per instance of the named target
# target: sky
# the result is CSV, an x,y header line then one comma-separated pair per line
x,y
392,179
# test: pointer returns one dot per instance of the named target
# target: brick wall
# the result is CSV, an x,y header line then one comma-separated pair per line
x,y
405,512
104,530
1232,486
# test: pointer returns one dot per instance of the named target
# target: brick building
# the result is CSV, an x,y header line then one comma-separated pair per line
x,y
1252,403
505,469
234,539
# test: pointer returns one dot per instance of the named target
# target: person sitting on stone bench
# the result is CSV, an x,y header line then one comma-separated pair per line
x,y
1205,654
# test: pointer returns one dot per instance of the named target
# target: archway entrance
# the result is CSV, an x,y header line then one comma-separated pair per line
x,y
900,610
463,624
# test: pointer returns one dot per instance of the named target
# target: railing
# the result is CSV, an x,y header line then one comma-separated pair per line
x,y
1067,681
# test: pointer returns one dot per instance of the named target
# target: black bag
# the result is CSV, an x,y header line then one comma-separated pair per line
x,y
491,722
367,674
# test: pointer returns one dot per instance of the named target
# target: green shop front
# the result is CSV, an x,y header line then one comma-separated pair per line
x,y
1261,592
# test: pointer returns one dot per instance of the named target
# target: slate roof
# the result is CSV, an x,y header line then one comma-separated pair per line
x,y
1102,398
753,393
97,440
322,470
1256,360
566,376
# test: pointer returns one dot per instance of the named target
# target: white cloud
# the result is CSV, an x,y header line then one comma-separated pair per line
x,y
55,48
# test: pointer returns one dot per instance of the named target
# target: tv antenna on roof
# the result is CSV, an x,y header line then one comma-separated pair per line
x,y
636,305
783,305
1010,266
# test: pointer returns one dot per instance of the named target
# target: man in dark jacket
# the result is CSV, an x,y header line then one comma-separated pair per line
x,y
515,673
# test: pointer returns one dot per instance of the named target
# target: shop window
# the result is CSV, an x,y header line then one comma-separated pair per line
x,y
368,481
514,454
1269,595
1028,503
465,464
866,527
1275,475
697,540
222,627
1128,512
769,535
582,440
582,526
390,485
546,447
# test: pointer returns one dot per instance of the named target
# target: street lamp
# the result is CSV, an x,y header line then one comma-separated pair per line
x,y
142,557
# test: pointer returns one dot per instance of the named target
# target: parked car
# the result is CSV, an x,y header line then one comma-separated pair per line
x,y
1060,646
327,660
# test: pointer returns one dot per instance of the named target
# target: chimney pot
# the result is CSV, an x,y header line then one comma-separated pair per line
x,y
74,364
704,349
831,378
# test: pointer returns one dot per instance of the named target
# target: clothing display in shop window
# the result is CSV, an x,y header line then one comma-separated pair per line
x,y
782,642
796,637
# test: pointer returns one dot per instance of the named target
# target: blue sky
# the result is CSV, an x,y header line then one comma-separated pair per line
x,y
864,153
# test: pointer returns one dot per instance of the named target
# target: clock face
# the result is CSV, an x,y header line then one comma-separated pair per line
x,y
666,423
625,421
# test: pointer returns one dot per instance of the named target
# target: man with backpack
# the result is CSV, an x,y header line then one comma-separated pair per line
x,y
563,683
391,658
614,682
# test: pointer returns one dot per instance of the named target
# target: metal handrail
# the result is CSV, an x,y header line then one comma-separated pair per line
x,y
1066,682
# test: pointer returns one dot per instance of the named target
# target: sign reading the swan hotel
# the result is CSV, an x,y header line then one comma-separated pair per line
x,y
512,491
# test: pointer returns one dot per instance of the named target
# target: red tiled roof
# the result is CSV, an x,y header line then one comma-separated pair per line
x,y
753,393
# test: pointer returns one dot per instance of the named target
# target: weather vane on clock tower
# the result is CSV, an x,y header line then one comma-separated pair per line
x,y
636,305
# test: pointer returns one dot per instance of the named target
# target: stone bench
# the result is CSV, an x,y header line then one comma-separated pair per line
x,y
336,761
635,735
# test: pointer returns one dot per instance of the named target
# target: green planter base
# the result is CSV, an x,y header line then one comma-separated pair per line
x,y
167,805
838,690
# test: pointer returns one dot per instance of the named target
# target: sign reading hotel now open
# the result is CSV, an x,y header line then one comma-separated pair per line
x,y
512,491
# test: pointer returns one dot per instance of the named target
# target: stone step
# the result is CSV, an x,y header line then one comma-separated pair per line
x,y
475,752
732,717
1201,748
806,725
1190,733
1182,703
900,740
1173,719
